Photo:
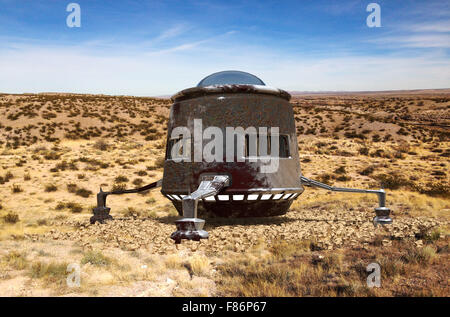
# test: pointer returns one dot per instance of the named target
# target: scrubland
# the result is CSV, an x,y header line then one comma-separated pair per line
x,y
57,150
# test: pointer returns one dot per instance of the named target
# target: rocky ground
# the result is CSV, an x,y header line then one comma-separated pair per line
x,y
328,230
55,153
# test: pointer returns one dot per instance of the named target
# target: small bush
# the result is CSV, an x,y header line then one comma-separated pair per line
x,y
60,206
421,256
74,207
393,181
101,145
340,170
367,171
16,189
131,212
141,173
8,176
96,258
83,192
121,179
51,188
11,217
72,188
52,271
119,186
16,260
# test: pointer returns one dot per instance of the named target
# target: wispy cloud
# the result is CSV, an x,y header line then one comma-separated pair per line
x,y
173,32
71,70
296,45
441,26
415,41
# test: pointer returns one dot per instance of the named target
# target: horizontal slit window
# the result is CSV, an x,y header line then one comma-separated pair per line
x,y
223,197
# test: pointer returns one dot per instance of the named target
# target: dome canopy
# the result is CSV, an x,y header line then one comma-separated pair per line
x,y
230,77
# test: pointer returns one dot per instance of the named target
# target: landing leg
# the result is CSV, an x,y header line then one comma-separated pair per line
x,y
190,227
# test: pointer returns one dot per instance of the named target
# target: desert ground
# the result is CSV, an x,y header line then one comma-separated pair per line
x,y
57,150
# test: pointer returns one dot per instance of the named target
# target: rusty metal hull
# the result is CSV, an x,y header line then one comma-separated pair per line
x,y
239,209
235,106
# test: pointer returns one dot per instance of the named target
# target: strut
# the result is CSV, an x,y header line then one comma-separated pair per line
x,y
190,227
101,212
381,212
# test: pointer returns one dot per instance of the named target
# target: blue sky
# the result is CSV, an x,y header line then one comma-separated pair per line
x,y
150,48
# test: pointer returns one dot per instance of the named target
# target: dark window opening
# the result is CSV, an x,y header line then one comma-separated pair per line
x,y
283,141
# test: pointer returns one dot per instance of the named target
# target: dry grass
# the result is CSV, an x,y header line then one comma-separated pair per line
x,y
56,140
406,270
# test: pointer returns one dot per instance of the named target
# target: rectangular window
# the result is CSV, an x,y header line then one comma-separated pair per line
x,y
283,143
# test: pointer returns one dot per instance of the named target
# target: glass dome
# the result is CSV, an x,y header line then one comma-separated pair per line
x,y
230,77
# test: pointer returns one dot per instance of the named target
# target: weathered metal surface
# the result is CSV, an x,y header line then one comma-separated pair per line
x,y
227,89
234,106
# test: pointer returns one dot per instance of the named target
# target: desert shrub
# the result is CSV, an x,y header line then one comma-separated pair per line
x,y
74,207
340,170
8,176
121,179
402,131
16,188
198,264
131,212
137,181
394,181
364,151
433,236
60,205
150,201
343,178
83,192
51,188
367,171
306,160
72,188
436,189
101,145
119,186
15,260
52,271
324,178
27,177
4,179
141,173
96,258
354,135
42,222
421,256
11,217
52,155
